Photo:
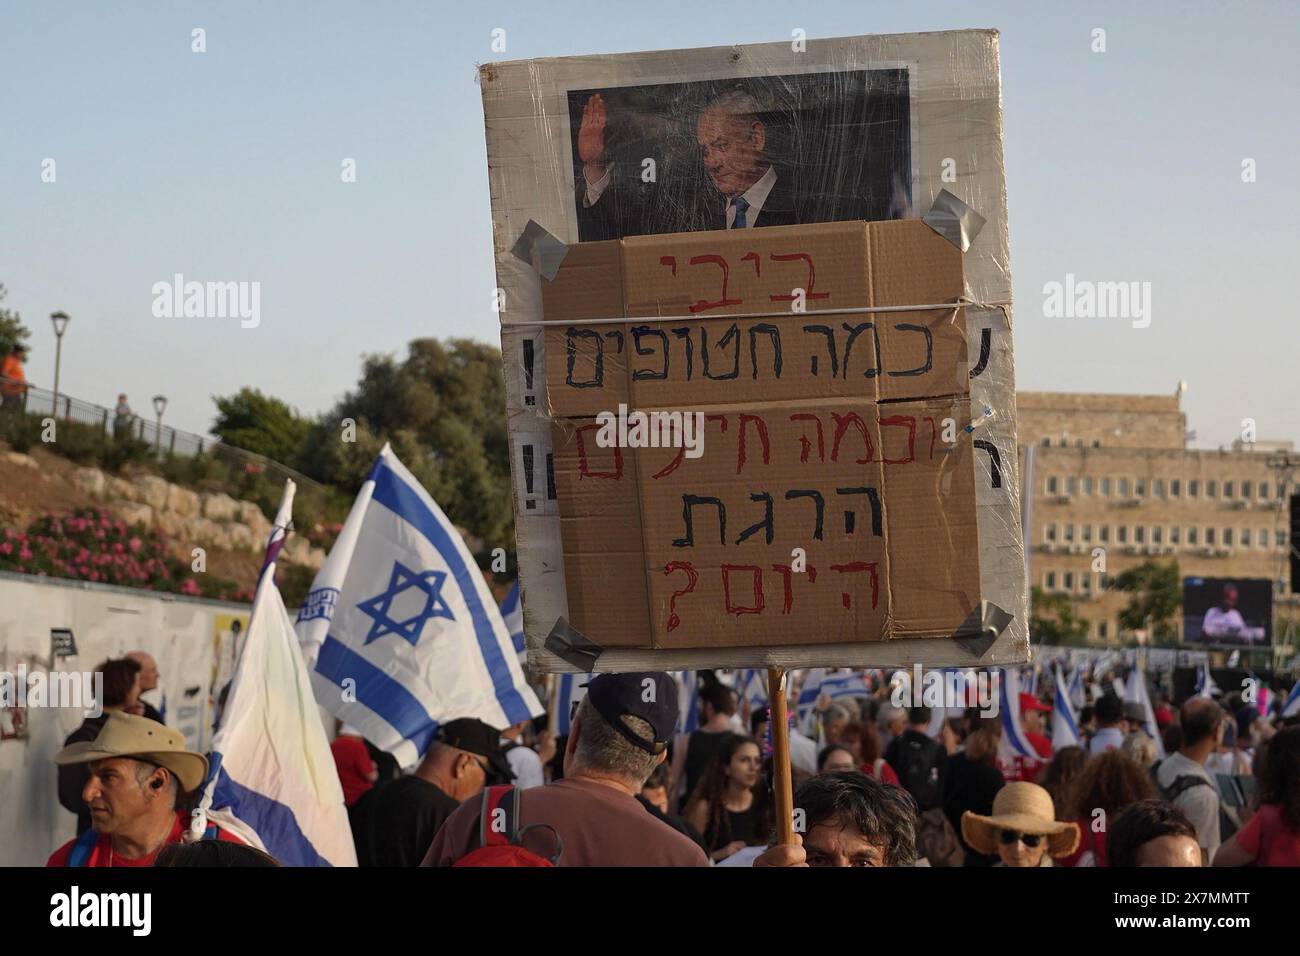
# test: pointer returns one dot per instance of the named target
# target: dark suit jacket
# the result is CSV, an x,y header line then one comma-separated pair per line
x,y
73,777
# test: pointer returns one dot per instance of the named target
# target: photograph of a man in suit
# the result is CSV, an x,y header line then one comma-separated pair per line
x,y
745,188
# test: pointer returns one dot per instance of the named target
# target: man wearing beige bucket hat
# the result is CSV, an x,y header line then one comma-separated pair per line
x,y
139,771
1022,830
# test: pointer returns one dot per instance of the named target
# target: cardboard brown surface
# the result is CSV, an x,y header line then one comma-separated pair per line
x,y
823,438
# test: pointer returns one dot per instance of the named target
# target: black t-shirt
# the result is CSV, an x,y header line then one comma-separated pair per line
x,y
394,823
969,785
700,749
740,825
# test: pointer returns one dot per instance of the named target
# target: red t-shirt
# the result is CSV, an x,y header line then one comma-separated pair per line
x,y
1088,841
887,774
354,765
102,854
1269,839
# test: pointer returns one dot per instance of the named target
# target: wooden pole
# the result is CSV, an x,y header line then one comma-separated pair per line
x,y
780,756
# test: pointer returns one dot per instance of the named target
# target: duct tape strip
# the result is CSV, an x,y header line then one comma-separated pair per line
x,y
571,646
954,220
981,628
541,250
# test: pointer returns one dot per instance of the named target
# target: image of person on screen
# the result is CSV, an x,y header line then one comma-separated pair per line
x,y
747,189
1224,620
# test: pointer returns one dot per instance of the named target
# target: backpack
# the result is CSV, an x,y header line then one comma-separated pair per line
x,y
918,769
500,837
1181,784
937,841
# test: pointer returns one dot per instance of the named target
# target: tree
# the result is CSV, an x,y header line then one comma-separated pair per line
x,y
1157,594
1052,620
443,408
12,330
261,424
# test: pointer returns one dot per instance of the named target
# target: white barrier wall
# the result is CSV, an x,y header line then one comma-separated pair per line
x,y
192,640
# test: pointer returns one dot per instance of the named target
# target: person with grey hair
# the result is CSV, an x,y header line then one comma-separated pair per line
x,y
892,721
749,189
618,737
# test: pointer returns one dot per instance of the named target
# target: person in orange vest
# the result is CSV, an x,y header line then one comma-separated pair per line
x,y
13,383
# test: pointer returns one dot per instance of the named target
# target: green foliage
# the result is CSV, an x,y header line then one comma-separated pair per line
x,y
77,441
294,581
12,330
1052,620
443,410
261,424
1157,594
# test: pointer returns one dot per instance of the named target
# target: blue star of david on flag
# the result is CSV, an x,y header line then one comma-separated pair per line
x,y
403,578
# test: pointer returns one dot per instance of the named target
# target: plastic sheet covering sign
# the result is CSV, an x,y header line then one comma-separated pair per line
x,y
739,237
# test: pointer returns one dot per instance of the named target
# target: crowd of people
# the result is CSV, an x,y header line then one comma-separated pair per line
x,y
874,785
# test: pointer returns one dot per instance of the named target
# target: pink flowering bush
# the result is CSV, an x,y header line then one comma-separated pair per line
x,y
91,545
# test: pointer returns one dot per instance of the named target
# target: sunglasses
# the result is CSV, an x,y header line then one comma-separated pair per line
x,y
1030,840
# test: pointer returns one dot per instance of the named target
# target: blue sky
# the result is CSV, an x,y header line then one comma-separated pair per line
x,y
1120,166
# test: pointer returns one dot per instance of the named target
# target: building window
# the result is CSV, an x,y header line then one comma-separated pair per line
x,y
1140,488
1174,533
1245,537
1096,443
1157,535
1087,532
1085,583
1246,488
1069,581
1105,487
1047,442
1050,581
1071,486
1123,488
1051,485
1122,534
1211,488
1281,539
1101,630
1050,532
1103,534
1175,487
1087,485
1158,487
1227,537
1209,536
1139,535
1227,489
1263,491
1069,532
1191,535
1193,488
1262,537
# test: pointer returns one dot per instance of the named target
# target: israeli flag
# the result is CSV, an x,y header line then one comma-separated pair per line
x,y
1065,724
1076,688
512,612
1291,706
843,685
272,780
1205,685
400,628
753,687
569,691
1031,685
1014,742
1137,694
688,711
808,691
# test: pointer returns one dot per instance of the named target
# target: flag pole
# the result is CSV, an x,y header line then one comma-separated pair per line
x,y
780,755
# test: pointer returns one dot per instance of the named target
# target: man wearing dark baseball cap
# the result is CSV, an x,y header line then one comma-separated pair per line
x,y
618,736
393,823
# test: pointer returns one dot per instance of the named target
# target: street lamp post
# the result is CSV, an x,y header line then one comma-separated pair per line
x,y
159,403
60,322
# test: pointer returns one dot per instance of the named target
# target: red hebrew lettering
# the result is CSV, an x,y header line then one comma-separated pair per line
x,y
671,262
785,572
721,419
691,577
673,465
704,305
584,471
842,423
812,278
853,567
908,422
756,260
758,588
762,437
933,434
803,439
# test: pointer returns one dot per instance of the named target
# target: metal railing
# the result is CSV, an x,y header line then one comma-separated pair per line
x,y
166,441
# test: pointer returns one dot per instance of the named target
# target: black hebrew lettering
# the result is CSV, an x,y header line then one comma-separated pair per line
x,y
763,328
688,503
733,335
818,502
690,350
995,462
854,331
830,347
764,525
929,349
571,350
616,335
649,374
874,498
986,346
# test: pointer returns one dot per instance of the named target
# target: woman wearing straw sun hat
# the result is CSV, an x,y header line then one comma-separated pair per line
x,y
1022,830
